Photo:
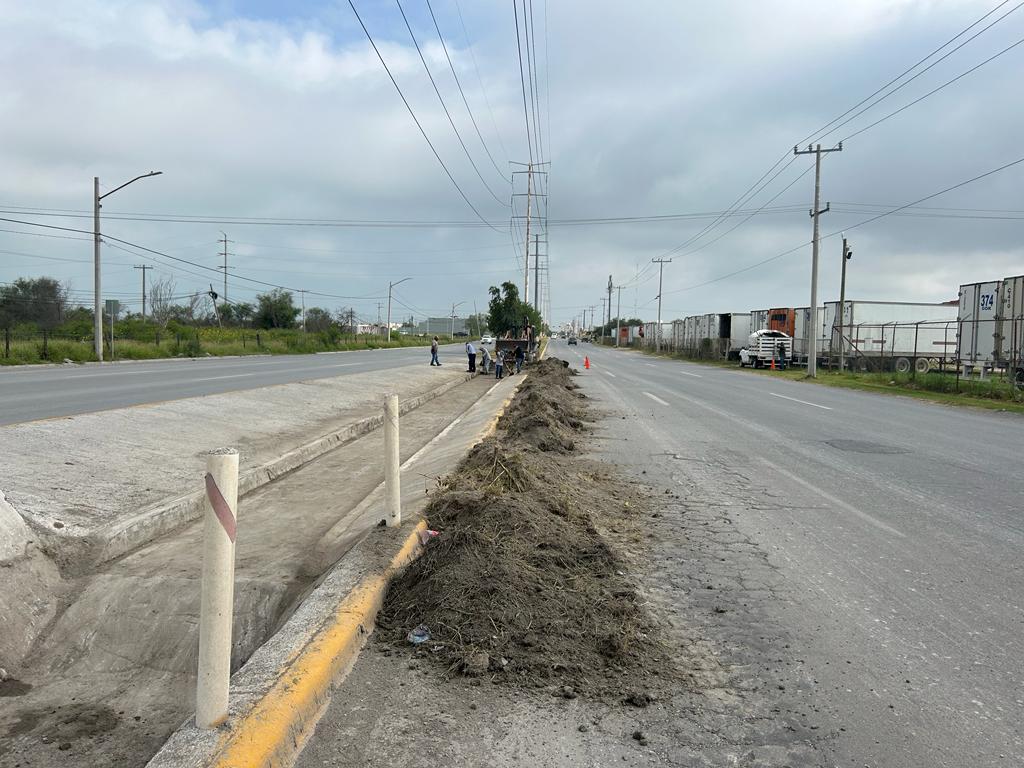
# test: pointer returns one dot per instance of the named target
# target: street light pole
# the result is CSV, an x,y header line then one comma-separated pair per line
x,y
390,286
97,287
454,307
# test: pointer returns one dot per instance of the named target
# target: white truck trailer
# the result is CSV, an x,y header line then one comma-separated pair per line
x,y
801,334
889,335
990,326
733,332
759,319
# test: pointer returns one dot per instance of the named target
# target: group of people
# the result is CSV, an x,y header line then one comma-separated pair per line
x,y
516,357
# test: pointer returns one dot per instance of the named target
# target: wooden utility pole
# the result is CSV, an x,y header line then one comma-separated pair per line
x,y
143,267
661,273
618,316
840,317
812,342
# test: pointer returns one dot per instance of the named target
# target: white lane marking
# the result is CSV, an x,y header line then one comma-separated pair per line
x,y
610,374
802,402
651,364
111,372
345,365
217,378
837,502
655,398
695,375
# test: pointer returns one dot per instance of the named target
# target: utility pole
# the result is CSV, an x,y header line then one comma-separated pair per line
x,y
224,253
302,292
390,287
812,345
661,273
841,311
97,287
618,316
603,323
610,286
144,267
529,194
592,308
536,273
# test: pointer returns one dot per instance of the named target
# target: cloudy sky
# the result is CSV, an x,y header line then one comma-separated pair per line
x,y
264,119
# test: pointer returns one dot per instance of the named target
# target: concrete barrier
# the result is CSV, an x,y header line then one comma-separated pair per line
x,y
123,536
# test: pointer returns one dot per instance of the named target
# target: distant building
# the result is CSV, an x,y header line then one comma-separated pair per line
x,y
442,326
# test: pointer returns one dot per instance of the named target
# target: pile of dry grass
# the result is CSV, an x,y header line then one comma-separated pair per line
x,y
518,584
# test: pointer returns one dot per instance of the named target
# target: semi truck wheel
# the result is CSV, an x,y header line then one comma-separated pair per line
x,y
902,365
921,365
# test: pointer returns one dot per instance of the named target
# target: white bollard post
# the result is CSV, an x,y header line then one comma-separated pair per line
x,y
218,588
392,473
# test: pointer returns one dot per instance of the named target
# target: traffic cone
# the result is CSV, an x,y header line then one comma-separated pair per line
x,y
773,363
586,362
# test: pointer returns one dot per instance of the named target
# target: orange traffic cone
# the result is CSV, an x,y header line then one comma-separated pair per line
x,y
586,362
773,363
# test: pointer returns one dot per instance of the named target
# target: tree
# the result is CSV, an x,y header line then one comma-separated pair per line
x,y
347,320
318,320
42,301
161,294
507,311
276,309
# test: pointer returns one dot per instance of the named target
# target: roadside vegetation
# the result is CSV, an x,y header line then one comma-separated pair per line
x,y
993,392
40,323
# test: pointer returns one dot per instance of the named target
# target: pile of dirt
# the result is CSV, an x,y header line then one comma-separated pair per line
x,y
519,585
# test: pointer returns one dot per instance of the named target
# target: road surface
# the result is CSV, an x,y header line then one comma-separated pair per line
x,y
894,532
38,392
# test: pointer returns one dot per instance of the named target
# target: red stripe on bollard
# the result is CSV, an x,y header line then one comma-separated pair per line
x,y
220,507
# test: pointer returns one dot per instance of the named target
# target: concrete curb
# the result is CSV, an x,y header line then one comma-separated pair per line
x,y
280,693
122,536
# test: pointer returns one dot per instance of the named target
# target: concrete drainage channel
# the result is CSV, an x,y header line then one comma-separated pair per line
x,y
114,673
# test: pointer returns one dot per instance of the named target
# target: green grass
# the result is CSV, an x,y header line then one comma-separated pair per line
x,y
216,342
994,393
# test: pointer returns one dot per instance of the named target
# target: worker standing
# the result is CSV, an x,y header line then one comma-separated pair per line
x,y
471,354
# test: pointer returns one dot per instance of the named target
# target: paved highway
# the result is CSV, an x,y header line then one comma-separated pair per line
x,y
38,392
894,530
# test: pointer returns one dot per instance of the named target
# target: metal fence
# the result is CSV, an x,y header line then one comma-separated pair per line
x,y
982,348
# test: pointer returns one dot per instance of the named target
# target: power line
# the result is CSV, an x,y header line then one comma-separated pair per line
x,y
748,193
483,90
444,106
522,81
531,71
465,101
849,227
934,63
901,75
934,90
415,119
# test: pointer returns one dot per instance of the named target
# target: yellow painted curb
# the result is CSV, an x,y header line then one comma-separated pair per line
x,y
273,733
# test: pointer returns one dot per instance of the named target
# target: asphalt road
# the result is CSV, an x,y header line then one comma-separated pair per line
x,y
894,530
38,392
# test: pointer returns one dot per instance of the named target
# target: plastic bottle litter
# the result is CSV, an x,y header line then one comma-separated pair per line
x,y
419,635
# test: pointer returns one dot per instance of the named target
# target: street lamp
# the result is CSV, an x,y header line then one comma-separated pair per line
x,y
97,310
454,307
390,286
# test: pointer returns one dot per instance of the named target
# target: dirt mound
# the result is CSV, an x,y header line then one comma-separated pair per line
x,y
519,585
547,411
